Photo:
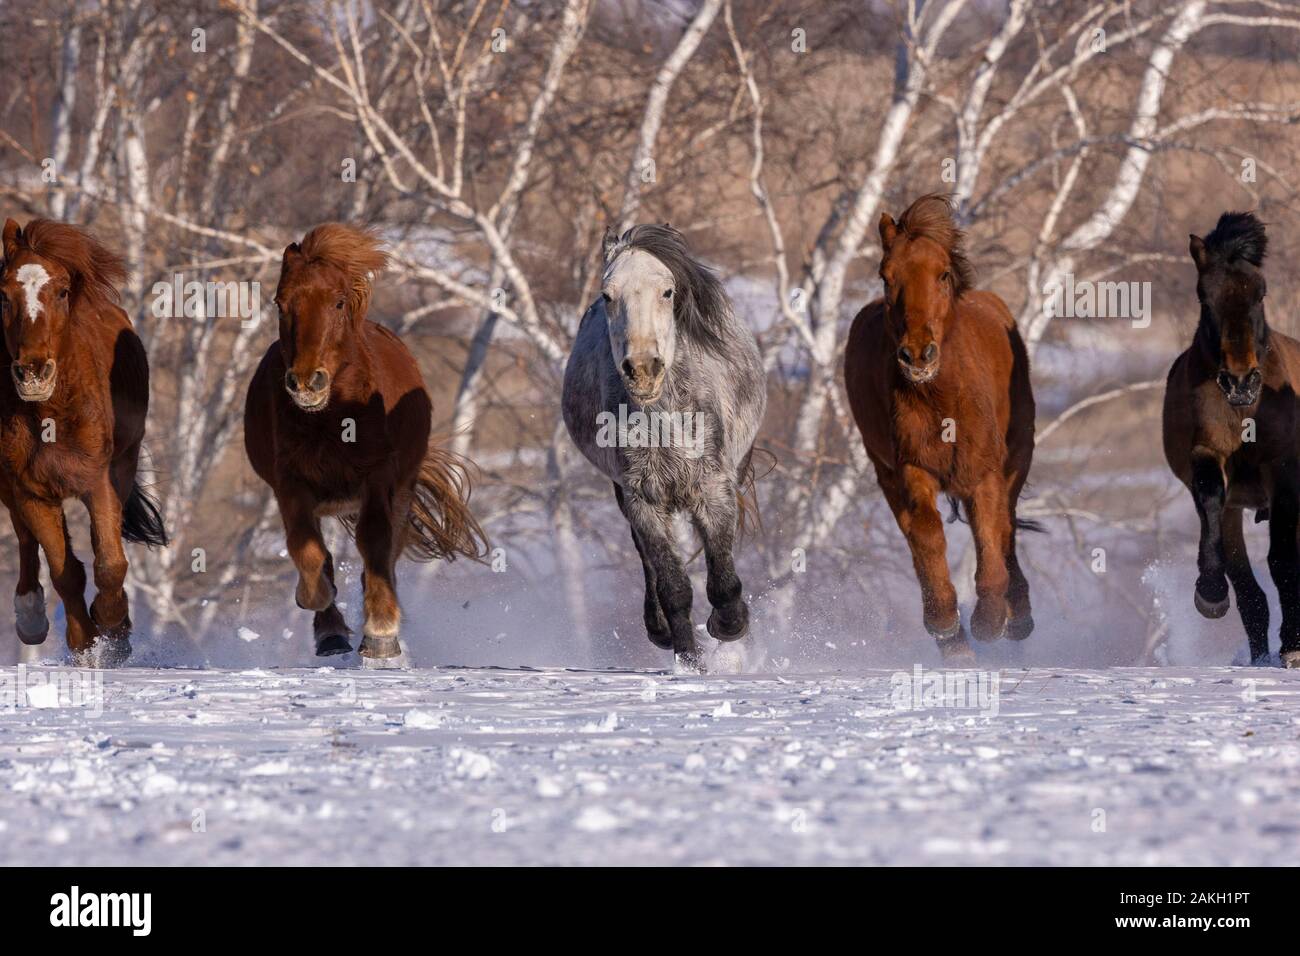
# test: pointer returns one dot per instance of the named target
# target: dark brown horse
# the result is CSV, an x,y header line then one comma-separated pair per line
x,y
1230,433
938,380
337,423
72,416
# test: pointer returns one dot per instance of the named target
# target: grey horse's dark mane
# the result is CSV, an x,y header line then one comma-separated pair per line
x,y
701,307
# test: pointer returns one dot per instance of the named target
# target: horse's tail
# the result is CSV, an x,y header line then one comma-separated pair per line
x,y
1022,524
141,520
440,524
747,491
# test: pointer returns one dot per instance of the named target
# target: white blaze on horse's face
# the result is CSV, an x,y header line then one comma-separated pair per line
x,y
32,277
638,294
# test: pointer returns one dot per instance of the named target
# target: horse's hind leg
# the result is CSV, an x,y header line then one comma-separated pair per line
x,y
29,597
715,515
1021,622
991,527
656,625
378,539
1283,561
1252,605
671,583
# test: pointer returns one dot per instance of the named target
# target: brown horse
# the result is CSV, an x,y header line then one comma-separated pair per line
x,y
337,423
1230,433
938,380
72,416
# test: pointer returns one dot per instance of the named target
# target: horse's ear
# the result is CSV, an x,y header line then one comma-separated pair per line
x,y
608,243
13,233
1196,246
888,230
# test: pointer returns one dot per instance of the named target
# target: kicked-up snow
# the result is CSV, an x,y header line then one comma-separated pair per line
x,y
482,766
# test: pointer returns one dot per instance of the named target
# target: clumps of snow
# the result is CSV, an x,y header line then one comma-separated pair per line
x,y
595,820
247,634
422,720
470,765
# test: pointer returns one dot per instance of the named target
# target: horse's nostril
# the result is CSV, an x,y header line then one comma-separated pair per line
x,y
905,355
291,380
319,379
656,366
931,352
628,368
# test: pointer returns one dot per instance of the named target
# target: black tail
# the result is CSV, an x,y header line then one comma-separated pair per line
x,y
1022,524
141,520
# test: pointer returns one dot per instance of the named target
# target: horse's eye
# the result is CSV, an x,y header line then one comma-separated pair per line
x,y
606,297
668,294
63,293
338,304
946,277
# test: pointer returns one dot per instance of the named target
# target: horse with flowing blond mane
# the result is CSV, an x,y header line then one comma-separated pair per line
x,y
337,422
72,418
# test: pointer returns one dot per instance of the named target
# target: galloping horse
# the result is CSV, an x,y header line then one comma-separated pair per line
x,y
661,351
1230,433
72,416
337,422
938,380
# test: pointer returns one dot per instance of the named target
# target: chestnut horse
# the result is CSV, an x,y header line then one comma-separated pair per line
x,y
1230,433
72,417
337,423
938,380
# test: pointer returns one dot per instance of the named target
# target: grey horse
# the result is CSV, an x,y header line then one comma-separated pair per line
x,y
664,393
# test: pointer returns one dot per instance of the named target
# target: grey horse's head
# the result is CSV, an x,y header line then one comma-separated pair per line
x,y
653,291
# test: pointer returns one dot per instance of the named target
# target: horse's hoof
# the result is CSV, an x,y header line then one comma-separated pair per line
x,y
379,648
1019,628
661,639
332,644
944,633
29,617
1211,609
1291,658
982,629
735,632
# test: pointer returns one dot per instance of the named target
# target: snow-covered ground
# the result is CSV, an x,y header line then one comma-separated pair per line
x,y
1120,766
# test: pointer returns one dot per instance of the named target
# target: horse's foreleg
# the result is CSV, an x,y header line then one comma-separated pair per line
x,y
29,597
377,540
672,585
912,497
45,519
1252,605
656,625
109,610
1284,516
330,630
1210,494
716,514
991,527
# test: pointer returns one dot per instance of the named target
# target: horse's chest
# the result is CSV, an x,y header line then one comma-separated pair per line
x,y
52,459
669,477
928,439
